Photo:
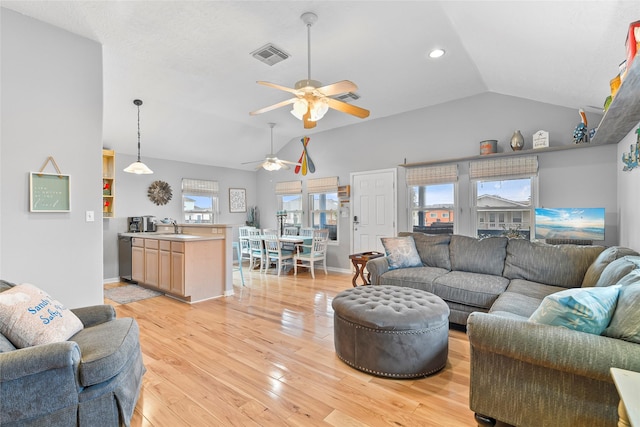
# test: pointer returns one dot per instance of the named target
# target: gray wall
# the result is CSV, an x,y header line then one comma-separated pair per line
x,y
131,197
51,106
575,178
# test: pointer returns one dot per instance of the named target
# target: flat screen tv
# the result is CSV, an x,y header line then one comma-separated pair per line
x,y
570,223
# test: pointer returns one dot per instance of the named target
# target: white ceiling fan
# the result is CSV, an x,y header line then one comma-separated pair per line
x,y
312,100
271,162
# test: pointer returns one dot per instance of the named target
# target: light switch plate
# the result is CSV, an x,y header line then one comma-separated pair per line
x,y
89,217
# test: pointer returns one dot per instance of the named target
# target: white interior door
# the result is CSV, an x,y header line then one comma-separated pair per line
x,y
374,199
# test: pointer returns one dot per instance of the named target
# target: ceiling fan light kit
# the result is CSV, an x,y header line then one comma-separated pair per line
x,y
313,100
138,167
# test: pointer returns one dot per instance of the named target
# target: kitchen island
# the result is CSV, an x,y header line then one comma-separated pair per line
x,y
192,265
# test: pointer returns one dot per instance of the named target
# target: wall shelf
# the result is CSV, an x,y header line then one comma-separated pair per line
x,y
623,114
108,181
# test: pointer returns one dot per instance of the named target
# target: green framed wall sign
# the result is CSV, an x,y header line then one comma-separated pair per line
x,y
49,192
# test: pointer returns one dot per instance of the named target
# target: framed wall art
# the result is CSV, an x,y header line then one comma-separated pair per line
x,y
237,200
49,192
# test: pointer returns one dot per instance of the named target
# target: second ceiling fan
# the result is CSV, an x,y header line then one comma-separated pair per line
x,y
312,100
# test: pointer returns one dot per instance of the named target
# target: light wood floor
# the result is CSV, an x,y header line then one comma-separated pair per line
x,y
265,357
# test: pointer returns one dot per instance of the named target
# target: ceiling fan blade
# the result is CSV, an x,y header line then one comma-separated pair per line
x,y
273,107
275,86
255,161
337,88
283,165
289,163
347,108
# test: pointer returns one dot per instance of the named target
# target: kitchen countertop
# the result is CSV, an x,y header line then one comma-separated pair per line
x,y
172,236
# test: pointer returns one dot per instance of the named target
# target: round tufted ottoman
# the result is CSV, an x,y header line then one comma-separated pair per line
x,y
391,331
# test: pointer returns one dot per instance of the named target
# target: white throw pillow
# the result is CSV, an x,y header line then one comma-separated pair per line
x,y
29,316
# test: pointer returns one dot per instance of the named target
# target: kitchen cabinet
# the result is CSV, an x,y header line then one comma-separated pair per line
x,y
151,262
177,268
137,259
108,182
164,279
192,270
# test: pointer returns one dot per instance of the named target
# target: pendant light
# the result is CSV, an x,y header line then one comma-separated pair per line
x,y
138,167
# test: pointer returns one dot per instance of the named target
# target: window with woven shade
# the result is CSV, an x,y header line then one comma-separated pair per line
x,y
289,194
505,194
199,201
432,195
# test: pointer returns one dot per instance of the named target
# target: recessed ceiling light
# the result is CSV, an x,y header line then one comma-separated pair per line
x,y
436,53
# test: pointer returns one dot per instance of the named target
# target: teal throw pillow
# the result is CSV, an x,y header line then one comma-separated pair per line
x,y
625,323
401,252
581,309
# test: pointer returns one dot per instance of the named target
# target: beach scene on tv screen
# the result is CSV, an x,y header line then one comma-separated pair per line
x,y
570,223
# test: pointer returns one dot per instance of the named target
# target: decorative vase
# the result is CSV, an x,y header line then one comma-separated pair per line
x,y
517,141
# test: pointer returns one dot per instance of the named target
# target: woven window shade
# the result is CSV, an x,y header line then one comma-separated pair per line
x,y
199,186
509,167
323,185
288,187
432,175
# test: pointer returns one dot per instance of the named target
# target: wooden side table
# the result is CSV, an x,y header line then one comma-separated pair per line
x,y
359,261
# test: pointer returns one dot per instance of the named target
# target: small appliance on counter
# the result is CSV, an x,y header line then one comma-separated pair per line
x,y
149,223
141,224
135,224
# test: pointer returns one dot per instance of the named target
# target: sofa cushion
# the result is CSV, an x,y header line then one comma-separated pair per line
x,y
618,269
564,265
585,309
472,289
523,297
604,259
433,249
625,323
416,277
401,252
29,316
485,256
106,349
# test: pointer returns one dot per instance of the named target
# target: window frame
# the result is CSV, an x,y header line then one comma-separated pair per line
x,y
414,210
336,211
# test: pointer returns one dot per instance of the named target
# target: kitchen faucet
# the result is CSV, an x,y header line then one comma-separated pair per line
x,y
175,225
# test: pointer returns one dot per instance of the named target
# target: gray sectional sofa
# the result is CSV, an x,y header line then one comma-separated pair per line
x,y
525,373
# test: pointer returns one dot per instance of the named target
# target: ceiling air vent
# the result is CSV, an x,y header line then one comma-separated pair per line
x,y
347,97
270,54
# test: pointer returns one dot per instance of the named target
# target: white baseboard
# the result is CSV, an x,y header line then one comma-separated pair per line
x,y
111,280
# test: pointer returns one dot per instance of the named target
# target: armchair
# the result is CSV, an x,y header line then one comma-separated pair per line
x,y
94,378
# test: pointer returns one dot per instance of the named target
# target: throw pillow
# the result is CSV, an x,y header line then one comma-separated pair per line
x,y
401,252
29,316
581,309
625,323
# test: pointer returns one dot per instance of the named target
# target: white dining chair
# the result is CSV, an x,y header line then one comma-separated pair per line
x,y
291,231
306,232
275,253
315,252
243,240
256,251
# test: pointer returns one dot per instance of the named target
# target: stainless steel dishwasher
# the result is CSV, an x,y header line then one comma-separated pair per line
x,y
124,257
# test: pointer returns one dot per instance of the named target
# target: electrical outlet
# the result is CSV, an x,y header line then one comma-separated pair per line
x,y
89,217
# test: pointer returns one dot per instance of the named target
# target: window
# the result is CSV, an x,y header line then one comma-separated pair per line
x,y
199,201
432,198
289,195
324,205
504,196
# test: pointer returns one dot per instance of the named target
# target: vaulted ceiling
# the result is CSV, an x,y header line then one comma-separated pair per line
x,y
190,62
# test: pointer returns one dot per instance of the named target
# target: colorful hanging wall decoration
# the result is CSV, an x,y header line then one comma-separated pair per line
x,y
306,164
631,158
